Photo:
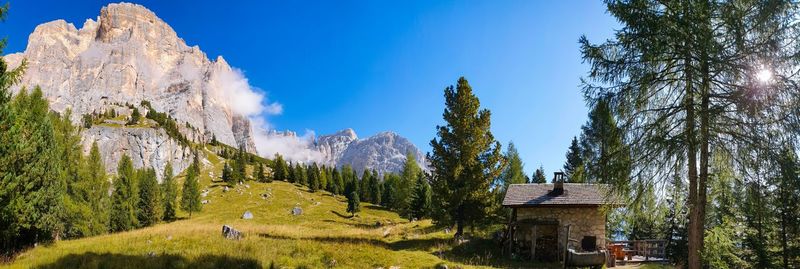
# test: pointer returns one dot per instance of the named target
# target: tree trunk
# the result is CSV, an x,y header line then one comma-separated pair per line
x,y
459,222
702,185
691,159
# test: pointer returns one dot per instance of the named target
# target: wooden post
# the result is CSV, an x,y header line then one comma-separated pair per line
x,y
533,242
566,247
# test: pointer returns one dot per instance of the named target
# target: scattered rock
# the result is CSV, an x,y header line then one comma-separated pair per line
x,y
231,233
169,237
151,254
297,211
387,232
247,215
225,189
447,230
441,266
205,202
317,203
394,267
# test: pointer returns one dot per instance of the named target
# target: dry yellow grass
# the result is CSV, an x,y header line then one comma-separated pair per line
x,y
323,236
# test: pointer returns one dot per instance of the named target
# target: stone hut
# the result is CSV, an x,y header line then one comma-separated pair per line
x,y
542,214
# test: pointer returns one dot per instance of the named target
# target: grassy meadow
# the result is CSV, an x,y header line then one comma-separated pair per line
x,y
324,236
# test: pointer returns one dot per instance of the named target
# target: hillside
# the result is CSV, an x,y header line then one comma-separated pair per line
x,y
323,236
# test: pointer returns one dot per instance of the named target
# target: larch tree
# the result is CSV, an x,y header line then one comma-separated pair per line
x,y
170,191
539,175
573,167
465,160
125,197
685,78
150,206
190,195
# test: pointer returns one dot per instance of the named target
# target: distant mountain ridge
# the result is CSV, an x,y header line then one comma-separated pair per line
x,y
383,152
129,55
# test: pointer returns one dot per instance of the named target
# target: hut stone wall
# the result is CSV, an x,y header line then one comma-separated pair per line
x,y
584,221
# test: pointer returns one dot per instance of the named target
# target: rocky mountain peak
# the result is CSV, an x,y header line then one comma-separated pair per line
x,y
127,56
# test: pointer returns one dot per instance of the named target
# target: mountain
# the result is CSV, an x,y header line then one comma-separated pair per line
x,y
127,56
383,152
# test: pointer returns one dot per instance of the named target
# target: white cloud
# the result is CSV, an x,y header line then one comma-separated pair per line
x,y
231,87
291,147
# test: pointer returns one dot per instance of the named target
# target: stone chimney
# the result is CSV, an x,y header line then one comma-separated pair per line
x,y
558,184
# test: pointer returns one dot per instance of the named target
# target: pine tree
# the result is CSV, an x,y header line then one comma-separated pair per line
x,y
513,174
573,167
170,191
465,160
313,177
336,180
97,190
290,173
607,157
363,186
421,199
375,189
135,116
227,176
190,196
408,177
125,197
279,168
353,204
300,171
539,176
674,71
150,206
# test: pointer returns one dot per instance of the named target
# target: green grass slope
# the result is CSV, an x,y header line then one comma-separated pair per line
x,y
324,236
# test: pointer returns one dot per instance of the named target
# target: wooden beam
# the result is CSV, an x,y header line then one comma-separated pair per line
x,y
533,243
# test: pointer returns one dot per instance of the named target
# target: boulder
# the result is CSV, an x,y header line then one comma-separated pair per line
x,y
297,211
247,215
231,233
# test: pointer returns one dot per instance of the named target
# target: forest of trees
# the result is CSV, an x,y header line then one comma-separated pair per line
x,y
407,193
686,125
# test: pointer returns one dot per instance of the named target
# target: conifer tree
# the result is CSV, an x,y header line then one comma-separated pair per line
x,y
421,199
97,190
375,189
408,177
150,206
313,177
170,190
190,195
465,160
573,167
135,116
363,186
226,174
125,197
539,176
353,203
605,154
290,175
336,181
279,170
513,174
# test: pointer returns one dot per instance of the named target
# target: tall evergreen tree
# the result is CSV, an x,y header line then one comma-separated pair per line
x,y
150,206
353,203
421,199
227,174
408,177
607,157
465,159
279,170
190,195
539,175
363,186
125,197
573,167
170,191
313,177
337,182
682,80
97,187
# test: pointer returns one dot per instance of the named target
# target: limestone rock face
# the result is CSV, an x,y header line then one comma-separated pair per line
x,y
147,147
126,56
383,152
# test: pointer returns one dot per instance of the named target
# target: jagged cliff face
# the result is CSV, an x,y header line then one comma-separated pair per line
x,y
383,152
126,56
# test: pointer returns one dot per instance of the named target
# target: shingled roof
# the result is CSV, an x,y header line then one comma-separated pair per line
x,y
575,194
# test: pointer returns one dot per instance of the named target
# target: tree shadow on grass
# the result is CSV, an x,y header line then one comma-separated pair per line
x,y
341,215
477,251
113,260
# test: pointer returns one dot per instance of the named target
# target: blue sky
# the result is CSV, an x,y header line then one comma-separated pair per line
x,y
380,65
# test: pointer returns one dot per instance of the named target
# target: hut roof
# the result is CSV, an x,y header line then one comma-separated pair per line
x,y
574,195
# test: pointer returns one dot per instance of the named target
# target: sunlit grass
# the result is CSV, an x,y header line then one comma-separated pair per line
x,y
323,236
